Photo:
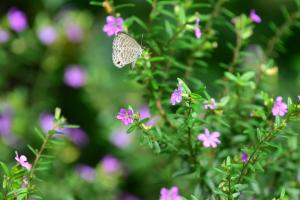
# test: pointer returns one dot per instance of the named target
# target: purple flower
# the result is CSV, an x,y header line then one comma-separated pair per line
x,y
5,122
197,29
46,122
4,36
171,194
125,116
145,113
244,157
74,32
77,136
254,17
121,139
86,172
209,139
279,107
75,76
47,35
299,98
22,160
113,25
17,20
25,182
176,96
210,104
110,164
298,177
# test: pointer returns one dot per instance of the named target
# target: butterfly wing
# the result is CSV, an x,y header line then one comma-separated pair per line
x,y
125,50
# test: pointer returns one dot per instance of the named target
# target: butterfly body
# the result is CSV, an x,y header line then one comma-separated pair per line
x,y
125,50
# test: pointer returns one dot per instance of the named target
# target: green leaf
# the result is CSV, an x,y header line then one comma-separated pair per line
x,y
230,76
5,168
32,149
282,193
131,129
185,87
39,133
126,5
156,147
248,76
168,29
194,197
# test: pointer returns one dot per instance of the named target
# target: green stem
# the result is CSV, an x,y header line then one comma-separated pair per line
x,y
283,29
257,148
236,52
190,146
215,13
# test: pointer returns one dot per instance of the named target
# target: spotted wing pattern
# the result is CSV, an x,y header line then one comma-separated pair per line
x,y
125,50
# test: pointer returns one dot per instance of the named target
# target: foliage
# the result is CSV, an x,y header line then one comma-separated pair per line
x,y
221,126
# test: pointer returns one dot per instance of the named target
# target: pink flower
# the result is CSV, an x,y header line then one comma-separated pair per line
x,y
299,98
120,139
77,136
22,160
125,116
4,36
110,164
254,17
113,25
17,20
74,32
197,29
279,107
244,157
209,139
176,96
210,104
47,35
25,182
145,113
86,172
75,76
171,194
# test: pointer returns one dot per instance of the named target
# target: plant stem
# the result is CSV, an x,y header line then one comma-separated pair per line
x,y
283,29
38,155
236,52
215,13
190,146
268,137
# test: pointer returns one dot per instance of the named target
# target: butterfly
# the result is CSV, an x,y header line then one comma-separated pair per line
x,y
125,50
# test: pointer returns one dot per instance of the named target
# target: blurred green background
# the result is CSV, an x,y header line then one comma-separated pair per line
x,y
33,82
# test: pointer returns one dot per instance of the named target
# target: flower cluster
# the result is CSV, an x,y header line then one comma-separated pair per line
x,y
210,104
170,194
113,25
176,96
279,107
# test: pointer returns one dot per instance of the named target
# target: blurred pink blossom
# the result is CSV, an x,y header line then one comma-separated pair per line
x,y
75,76
47,35
120,138
17,19
110,164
